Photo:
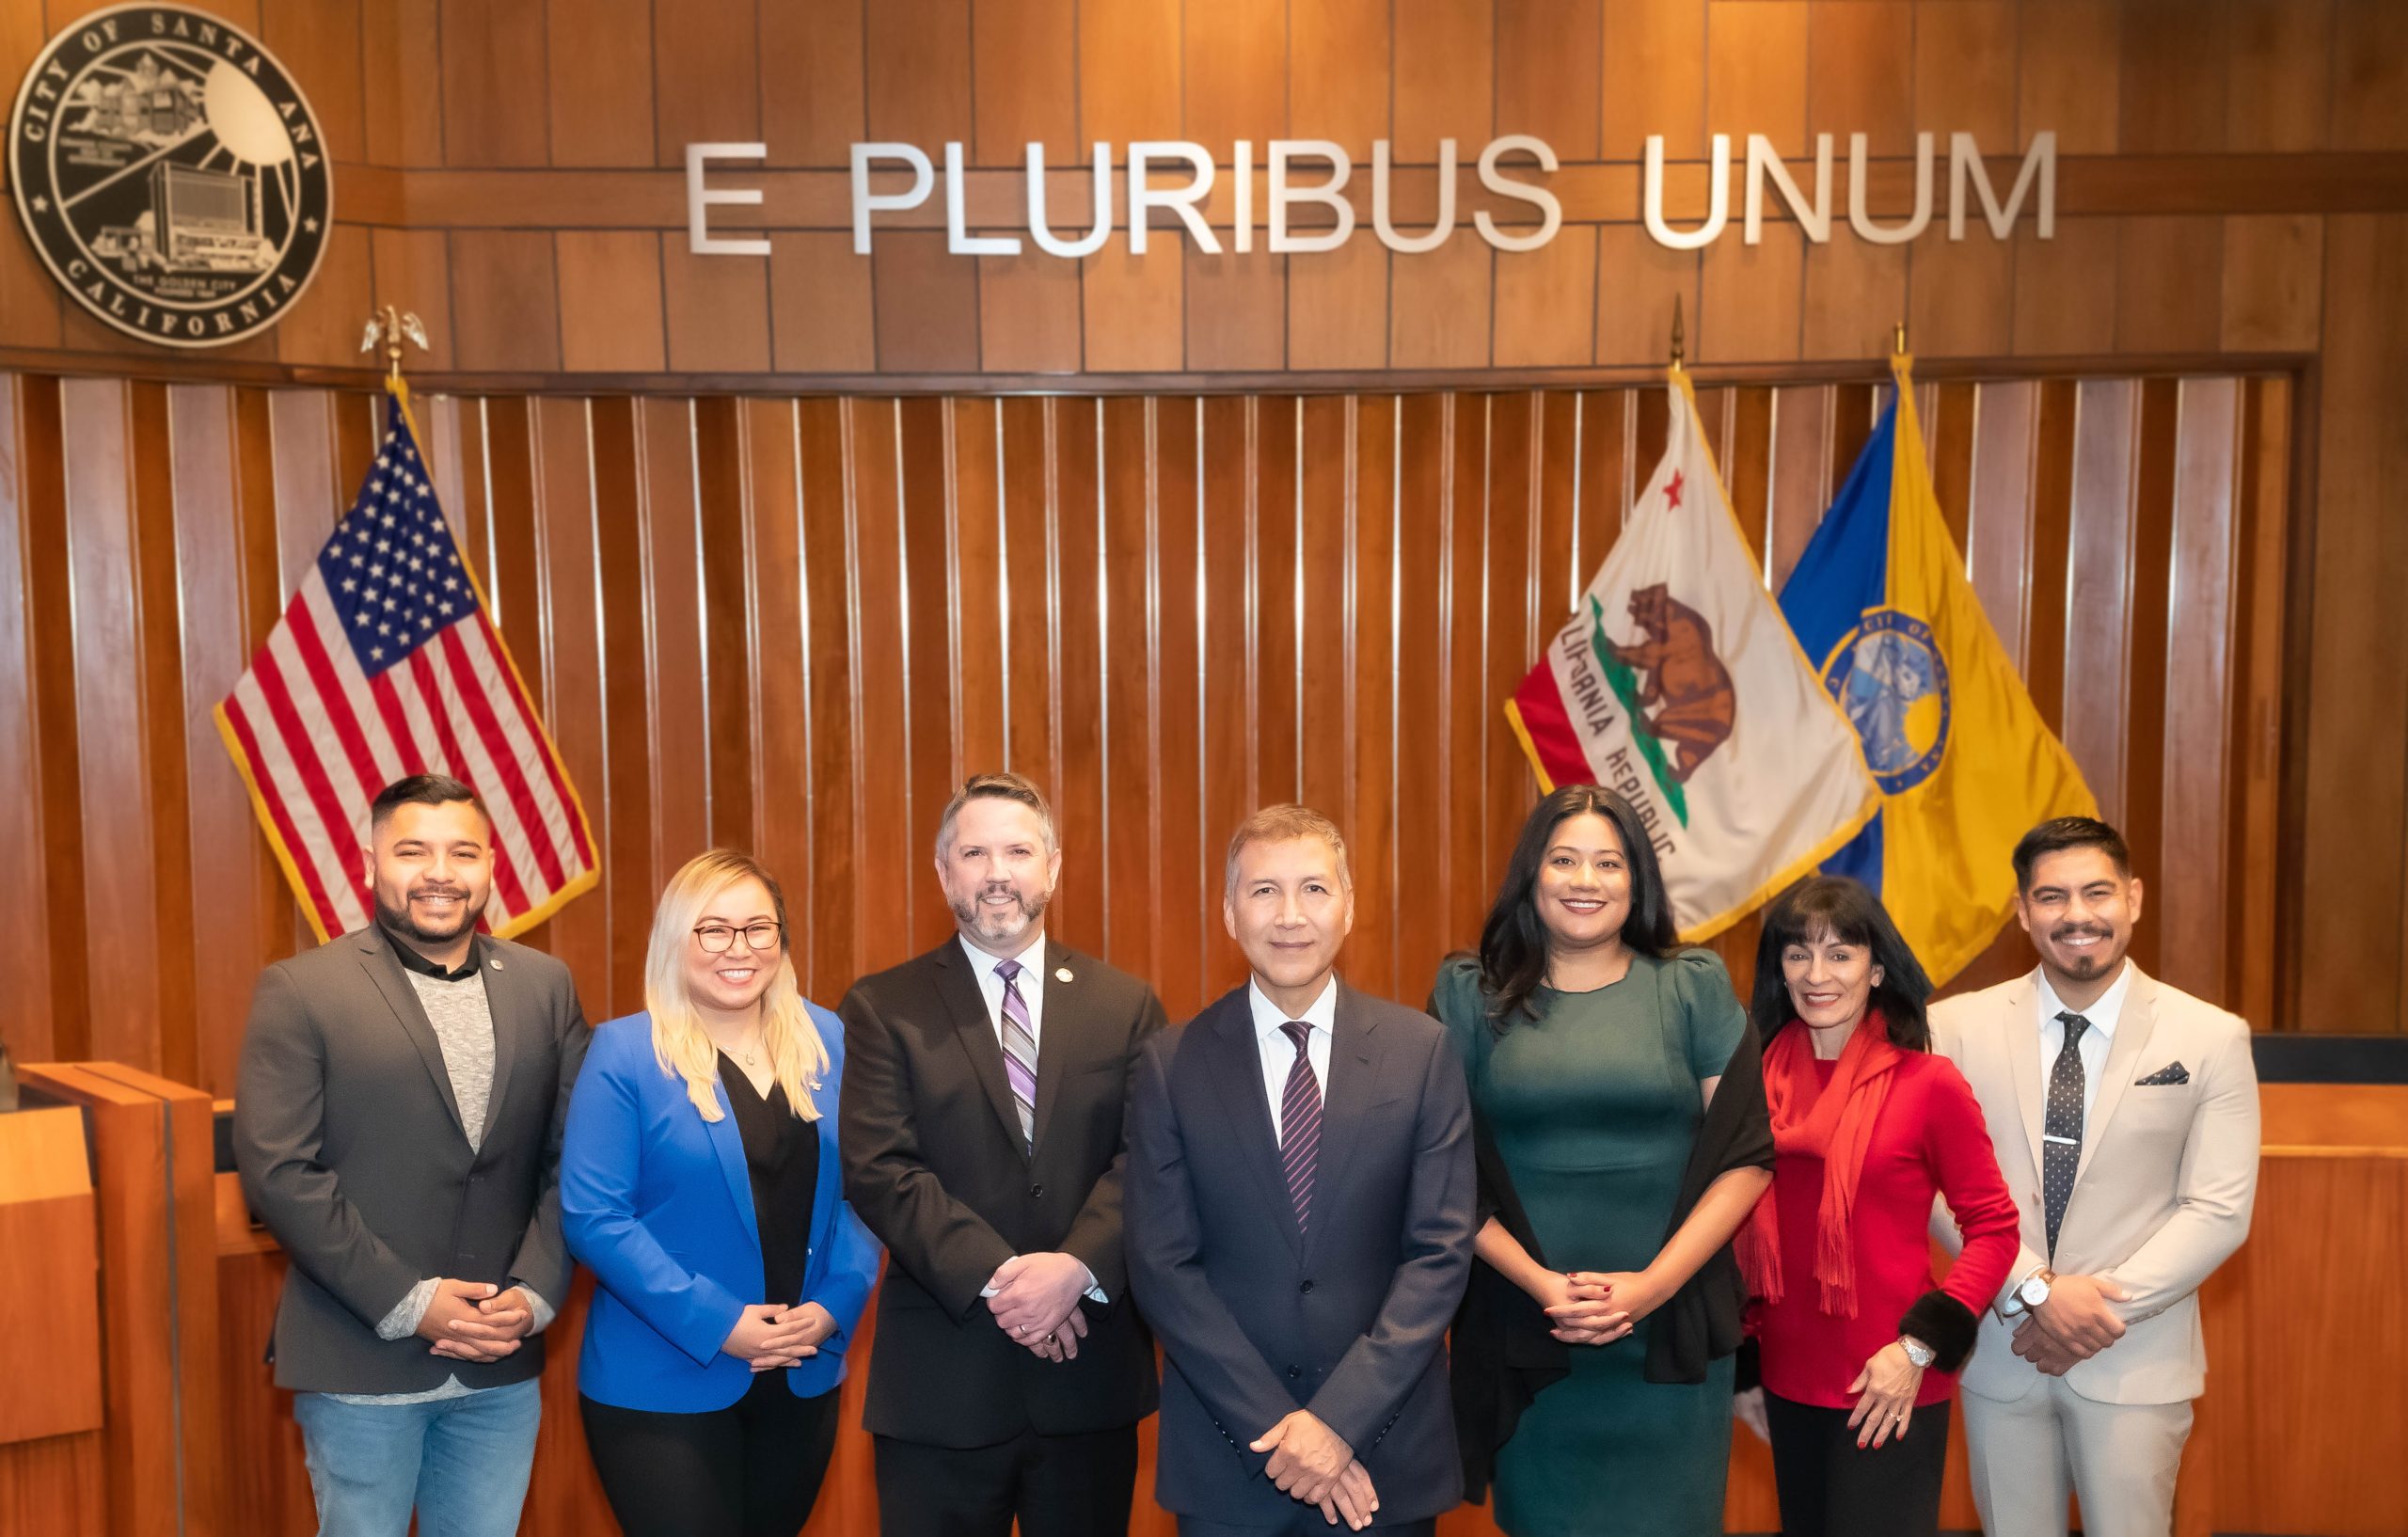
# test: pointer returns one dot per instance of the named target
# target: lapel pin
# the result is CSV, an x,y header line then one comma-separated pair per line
x,y
495,963
1061,974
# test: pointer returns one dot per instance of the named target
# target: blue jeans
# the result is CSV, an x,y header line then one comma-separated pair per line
x,y
461,1462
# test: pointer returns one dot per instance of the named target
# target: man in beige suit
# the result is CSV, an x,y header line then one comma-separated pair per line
x,y
2124,1115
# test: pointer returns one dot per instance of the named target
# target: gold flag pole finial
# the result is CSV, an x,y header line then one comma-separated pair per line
x,y
1898,339
392,327
1678,351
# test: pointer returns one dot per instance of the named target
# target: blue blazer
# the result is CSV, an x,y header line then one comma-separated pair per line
x,y
658,1203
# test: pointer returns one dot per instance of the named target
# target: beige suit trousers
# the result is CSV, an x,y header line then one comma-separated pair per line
x,y
2027,1455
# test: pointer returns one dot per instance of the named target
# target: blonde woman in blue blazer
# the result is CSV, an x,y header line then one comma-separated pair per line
x,y
700,1182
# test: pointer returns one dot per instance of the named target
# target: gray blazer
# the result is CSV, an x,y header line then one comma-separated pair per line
x,y
1349,1321
351,1151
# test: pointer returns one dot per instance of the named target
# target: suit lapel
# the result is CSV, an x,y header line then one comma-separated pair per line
x,y
2132,1029
377,958
503,1004
2023,1064
1057,1037
976,1031
1237,1073
1354,1080
727,1141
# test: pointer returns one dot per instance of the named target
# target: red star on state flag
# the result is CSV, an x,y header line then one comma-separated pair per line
x,y
1672,490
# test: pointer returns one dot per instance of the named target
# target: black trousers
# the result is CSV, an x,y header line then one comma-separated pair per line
x,y
1829,1488
1053,1485
1308,1522
752,1470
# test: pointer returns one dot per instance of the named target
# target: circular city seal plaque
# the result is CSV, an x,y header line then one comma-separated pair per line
x,y
171,175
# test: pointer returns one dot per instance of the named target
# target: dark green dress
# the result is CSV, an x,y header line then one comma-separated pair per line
x,y
1594,1106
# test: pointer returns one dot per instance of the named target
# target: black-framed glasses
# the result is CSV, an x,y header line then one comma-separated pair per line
x,y
761,937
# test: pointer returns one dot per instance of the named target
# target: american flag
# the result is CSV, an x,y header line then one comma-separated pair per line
x,y
386,664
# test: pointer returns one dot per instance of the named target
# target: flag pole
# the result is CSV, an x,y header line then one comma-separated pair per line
x,y
1677,349
392,327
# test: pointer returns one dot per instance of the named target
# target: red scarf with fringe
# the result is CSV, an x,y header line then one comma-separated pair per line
x,y
1834,1125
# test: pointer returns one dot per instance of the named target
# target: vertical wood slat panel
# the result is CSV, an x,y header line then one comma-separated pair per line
x,y
2199,689
24,941
2099,551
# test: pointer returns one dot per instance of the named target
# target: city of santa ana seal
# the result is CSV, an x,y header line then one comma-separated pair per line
x,y
171,174
1891,682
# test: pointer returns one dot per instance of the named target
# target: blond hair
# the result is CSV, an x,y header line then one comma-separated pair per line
x,y
679,1043
1278,824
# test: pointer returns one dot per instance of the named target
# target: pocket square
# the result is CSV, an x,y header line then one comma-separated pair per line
x,y
2172,1073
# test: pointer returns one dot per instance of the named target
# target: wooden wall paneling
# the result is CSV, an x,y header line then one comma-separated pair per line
x,y
159,681
673,634
1028,313
1080,647
1233,61
1326,679
929,622
831,655
1127,599
611,305
1374,841
811,81
2190,913
1604,449
1964,58
497,110
976,585
320,45
1133,307
1649,82
2098,687
1862,54
322,326
1466,632
1752,295
1274,451
2371,78
2175,68
2272,295
885,840
1437,314
403,113
1179,905
24,945
1850,286
2063,305
731,630
1129,67
1755,72
112,718
256,495
927,304
1546,307
1025,80
2349,959
2156,465
1237,311
505,310
1338,308
569,687
1026,578
917,63
2169,285
1637,282
821,315
1948,432
1745,464
2261,522
1547,53
2047,548
2279,74
1424,451
1800,481
622,818
1341,75
1445,64
1998,510
512,565
1960,295
778,687
601,57
2069,72
1562,445
1228,510
698,61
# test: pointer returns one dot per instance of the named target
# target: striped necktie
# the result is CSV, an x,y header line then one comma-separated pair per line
x,y
1020,1052
1300,1125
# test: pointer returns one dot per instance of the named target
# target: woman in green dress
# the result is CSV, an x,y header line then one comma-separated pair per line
x,y
1596,1049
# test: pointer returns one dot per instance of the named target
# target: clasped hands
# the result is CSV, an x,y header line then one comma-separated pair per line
x,y
2074,1324
1311,1463
475,1321
1035,1298
1596,1308
770,1336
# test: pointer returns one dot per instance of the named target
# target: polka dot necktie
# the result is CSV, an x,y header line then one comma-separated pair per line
x,y
2062,1142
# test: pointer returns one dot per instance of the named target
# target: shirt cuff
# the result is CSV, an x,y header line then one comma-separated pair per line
x,y
404,1320
544,1311
1094,1293
2011,1306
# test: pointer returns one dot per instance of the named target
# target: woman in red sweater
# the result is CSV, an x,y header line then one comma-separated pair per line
x,y
1858,1343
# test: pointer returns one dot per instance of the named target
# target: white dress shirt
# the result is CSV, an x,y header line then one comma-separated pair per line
x,y
2102,1016
1279,1052
1031,982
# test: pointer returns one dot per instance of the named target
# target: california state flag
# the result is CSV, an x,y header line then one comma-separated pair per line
x,y
1679,685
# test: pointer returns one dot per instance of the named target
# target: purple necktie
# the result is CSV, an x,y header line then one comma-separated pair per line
x,y
1020,1051
1300,1125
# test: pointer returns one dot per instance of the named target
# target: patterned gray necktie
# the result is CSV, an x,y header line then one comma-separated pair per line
x,y
2062,1141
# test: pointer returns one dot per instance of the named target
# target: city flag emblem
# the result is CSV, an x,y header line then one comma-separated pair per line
x,y
1892,683
171,174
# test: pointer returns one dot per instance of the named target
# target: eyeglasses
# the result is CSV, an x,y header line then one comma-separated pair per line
x,y
760,936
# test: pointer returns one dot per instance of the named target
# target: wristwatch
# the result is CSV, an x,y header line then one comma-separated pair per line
x,y
2033,1292
1917,1352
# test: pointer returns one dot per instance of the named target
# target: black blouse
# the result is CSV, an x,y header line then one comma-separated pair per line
x,y
783,1151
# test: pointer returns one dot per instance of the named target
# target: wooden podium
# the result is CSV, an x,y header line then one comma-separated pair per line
x,y
49,1317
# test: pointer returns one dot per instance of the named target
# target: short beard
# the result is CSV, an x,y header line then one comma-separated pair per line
x,y
398,920
2083,968
998,928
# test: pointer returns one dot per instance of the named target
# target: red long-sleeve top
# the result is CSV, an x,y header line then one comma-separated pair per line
x,y
1930,1137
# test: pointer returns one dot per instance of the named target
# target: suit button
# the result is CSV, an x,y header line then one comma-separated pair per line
x,y
1036,1193
1296,1371
1307,1288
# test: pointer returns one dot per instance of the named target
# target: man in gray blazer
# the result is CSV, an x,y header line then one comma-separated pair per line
x,y
397,1124
1299,1215
2125,1117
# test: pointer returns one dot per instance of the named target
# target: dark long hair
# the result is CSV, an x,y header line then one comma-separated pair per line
x,y
1833,906
1513,942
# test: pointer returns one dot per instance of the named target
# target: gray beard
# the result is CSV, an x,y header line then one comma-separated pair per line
x,y
999,927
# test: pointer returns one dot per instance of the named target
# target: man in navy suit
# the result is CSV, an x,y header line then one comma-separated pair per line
x,y
1299,1222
